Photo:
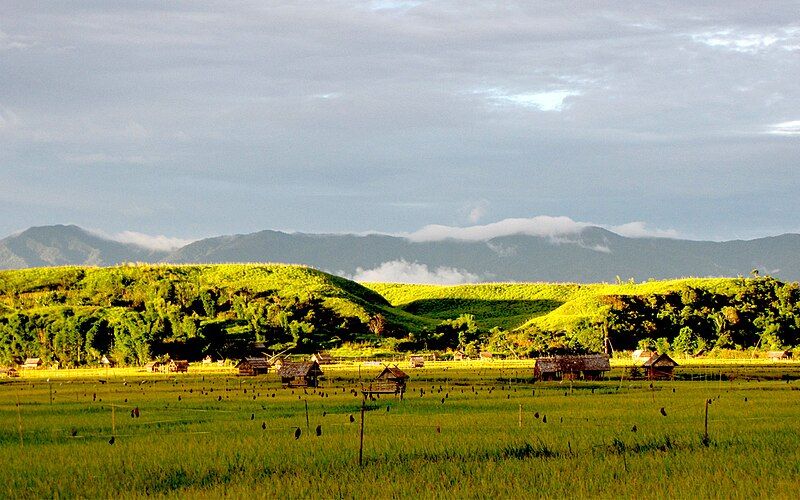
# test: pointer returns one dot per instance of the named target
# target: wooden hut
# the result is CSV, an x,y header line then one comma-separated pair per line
x,y
32,364
153,366
417,361
178,366
253,366
460,356
486,355
10,372
546,369
641,355
322,358
302,374
776,355
659,367
588,367
108,361
393,377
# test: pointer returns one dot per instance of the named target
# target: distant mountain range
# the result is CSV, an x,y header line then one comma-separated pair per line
x,y
591,255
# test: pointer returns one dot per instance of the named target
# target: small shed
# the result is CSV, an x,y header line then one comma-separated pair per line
x,y
322,358
178,366
253,366
10,372
776,355
393,376
460,356
487,355
32,364
153,366
641,355
108,361
417,361
300,374
659,367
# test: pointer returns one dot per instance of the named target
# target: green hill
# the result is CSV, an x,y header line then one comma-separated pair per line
x,y
77,314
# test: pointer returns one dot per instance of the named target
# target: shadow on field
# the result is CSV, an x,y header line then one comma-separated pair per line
x,y
482,309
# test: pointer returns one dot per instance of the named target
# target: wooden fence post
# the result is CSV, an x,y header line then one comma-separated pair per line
x,y
361,443
705,430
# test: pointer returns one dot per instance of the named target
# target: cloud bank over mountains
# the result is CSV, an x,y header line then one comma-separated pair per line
x,y
541,226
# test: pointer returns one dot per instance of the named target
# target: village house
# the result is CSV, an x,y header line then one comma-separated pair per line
x,y
32,364
460,356
778,355
178,366
588,367
300,374
394,377
416,361
108,361
153,366
641,355
659,367
253,366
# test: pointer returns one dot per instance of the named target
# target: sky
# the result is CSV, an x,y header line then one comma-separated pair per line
x,y
171,121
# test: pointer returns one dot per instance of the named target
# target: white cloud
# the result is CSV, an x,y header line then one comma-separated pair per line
x,y
552,100
7,118
542,225
785,128
730,39
401,271
639,229
557,229
158,242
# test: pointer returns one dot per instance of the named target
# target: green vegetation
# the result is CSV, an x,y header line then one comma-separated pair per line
x,y
464,430
74,315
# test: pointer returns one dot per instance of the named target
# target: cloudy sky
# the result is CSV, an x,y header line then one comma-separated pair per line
x,y
190,119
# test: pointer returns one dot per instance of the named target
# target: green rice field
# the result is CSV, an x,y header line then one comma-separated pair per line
x,y
469,429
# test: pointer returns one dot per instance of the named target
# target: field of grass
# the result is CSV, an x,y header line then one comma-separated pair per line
x,y
473,429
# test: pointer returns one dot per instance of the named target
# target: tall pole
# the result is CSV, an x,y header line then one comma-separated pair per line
x,y
361,443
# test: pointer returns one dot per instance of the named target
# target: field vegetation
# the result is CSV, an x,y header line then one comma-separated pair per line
x,y
472,429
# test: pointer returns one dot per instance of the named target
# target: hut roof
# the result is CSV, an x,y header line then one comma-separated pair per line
x,y
659,360
641,354
179,362
152,364
777,354
33,361
291,369
546,365
392,373
322,357
570,364
255,363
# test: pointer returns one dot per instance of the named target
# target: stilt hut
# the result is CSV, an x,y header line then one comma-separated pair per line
x,y
32,364
417,361
253,366
394,377
777,355
178,366
659,367
641,355
153,366
108,362
302,374
589,367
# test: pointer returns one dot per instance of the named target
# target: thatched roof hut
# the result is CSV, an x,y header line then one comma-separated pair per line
x,y
253,366
776,355
153,366
659,367
178,366
590,367
300,374
108,361
641,355
32,364
416,361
